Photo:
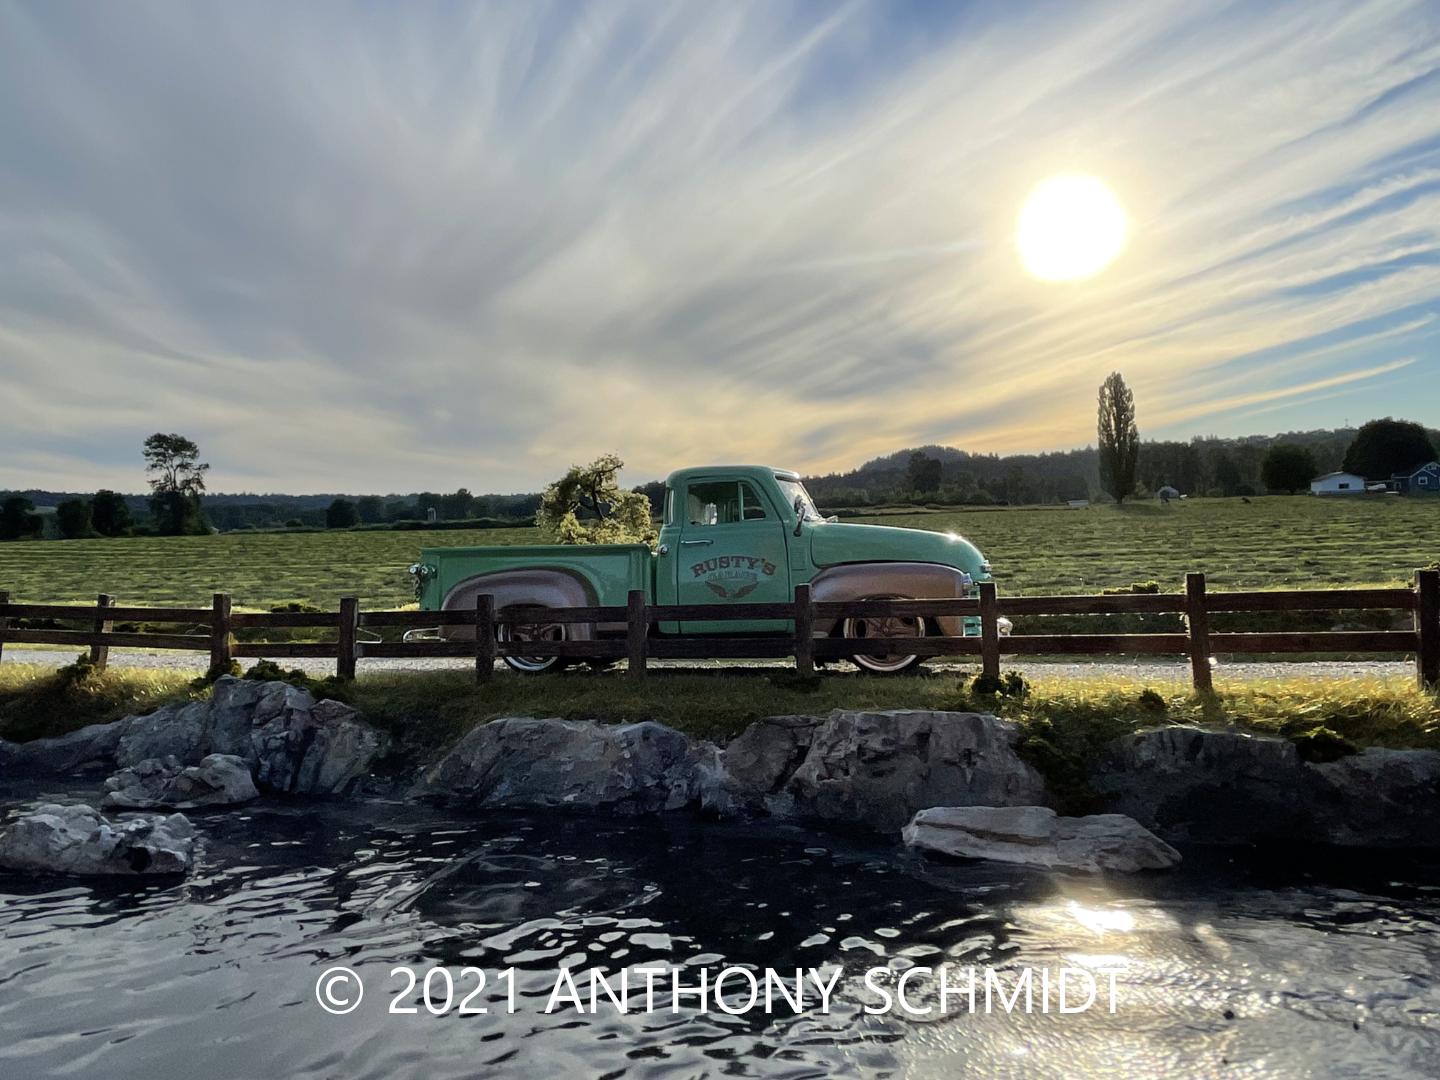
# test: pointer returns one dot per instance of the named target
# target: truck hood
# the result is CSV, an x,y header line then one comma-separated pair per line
x,y
833,543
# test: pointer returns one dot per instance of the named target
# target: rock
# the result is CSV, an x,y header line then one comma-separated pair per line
x,y
880,768
1036,836
79,840
219,780
1194,785
1228,787
747,778
767,753
289,741
521,762
87,749
1376,798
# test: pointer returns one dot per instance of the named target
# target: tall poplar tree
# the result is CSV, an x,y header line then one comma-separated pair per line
x,y
1119,438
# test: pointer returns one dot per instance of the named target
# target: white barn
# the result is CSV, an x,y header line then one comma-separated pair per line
x,y
1338,483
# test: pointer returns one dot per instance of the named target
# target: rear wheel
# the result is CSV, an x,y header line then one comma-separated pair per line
x,y
894,630
522,632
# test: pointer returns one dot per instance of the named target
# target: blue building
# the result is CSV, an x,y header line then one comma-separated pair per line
x,y
1422,481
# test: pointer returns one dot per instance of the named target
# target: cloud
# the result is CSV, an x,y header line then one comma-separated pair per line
x,y
392,247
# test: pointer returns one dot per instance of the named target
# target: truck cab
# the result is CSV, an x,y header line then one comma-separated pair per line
x,y
729,534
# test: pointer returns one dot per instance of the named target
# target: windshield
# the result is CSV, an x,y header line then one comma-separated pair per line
x,y
792,490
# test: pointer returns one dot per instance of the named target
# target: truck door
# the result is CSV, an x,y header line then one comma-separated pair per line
x,y
731,551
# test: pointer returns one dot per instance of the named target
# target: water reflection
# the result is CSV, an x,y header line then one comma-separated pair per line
x,y
1224,969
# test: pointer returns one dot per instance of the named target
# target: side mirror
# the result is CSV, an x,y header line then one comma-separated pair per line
x,y
799,514
712,514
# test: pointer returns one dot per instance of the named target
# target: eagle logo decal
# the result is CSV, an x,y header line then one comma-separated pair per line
x,y
732,577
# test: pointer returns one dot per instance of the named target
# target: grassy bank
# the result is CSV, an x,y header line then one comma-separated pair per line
x,y
1271,542
1065,721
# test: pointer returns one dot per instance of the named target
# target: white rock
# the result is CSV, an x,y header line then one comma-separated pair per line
x,y
80,840
1037,836
219,780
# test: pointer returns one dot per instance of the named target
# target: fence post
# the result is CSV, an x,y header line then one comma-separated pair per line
x,y
989,631
1197,617
100,654
484,637
637,633
220,635
345,652
804,632
1427,628
4,621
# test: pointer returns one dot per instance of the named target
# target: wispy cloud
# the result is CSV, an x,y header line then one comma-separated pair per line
x,y
391,247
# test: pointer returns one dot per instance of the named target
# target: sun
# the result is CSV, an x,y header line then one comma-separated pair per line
x,y
1071,227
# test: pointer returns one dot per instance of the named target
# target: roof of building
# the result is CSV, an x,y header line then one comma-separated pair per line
x,y
1416,469
1330,475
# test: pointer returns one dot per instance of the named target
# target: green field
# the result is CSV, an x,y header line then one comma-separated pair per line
x,y
1268,542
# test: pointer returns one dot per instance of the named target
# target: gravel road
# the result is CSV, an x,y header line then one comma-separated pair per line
x,y
1149,671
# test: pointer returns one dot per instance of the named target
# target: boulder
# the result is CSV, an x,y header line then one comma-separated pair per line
x,y
1376,798
219,780
1036,836
289,741
1195,785
880,768
80,840
522,762
748,777
90,748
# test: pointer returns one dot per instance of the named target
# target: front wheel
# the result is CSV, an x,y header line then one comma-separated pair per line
x,y
894,630
532,665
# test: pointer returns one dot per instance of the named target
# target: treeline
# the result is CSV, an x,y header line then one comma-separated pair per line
x,y
36,514
1206,465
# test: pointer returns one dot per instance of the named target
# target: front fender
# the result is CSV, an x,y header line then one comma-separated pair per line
x,y
546,588
917,581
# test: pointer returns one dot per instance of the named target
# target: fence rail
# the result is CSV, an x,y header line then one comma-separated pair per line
x,y
630,631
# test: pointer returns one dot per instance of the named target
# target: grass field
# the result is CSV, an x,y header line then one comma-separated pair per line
x,y
1269,542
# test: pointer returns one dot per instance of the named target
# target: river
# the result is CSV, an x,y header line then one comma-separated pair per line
x,y
1249,964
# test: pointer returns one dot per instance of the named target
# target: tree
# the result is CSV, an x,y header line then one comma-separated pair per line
x,y
342,514
922,475
18,520
371,509
73,518
1227,474
1288,468
456,506
588,506
176,483
1119,439
109,513
1385,447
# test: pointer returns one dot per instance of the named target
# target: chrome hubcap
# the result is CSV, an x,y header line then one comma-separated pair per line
x,y
532,632
889,628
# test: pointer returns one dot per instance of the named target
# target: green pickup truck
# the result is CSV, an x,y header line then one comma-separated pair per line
x,y
731,534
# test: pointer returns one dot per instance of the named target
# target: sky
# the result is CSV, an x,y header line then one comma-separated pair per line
x,y
395,247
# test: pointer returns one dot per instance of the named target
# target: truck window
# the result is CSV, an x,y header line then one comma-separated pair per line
x,y
669,516
734,501
752,507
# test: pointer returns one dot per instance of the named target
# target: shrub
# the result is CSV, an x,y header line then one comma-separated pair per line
x,y
1010,684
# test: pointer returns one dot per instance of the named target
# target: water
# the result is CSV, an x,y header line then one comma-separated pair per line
x,y
1255,966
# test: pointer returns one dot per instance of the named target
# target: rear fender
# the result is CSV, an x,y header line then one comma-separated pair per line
x,y
512,588
920,581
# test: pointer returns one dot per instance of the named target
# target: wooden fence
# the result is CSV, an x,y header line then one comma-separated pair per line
x,y
638,643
